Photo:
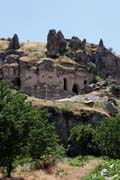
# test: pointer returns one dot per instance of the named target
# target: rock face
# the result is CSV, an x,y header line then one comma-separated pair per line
x,y
56,44
73,66
75,43
65,120
14,43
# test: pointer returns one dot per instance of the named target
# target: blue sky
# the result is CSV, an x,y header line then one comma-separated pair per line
x,y
90,19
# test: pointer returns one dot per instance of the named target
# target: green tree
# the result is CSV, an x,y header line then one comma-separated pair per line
x,y
23,130
43,139
81,140
108,137
15,118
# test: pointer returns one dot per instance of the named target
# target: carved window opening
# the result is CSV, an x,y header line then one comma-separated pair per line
x,y
65,84
75,89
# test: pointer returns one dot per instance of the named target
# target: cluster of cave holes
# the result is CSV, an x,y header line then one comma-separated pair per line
x,y
75,88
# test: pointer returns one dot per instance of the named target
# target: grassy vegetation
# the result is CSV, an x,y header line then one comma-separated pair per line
x,y
100,105
112,167
3,44
80,161
74,107
34,49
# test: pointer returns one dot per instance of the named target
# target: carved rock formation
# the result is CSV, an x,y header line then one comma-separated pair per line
x,y
75,43
62,42
83,44
14,43
56,44
101,46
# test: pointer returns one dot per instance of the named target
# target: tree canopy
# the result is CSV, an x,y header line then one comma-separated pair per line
x,y
23,130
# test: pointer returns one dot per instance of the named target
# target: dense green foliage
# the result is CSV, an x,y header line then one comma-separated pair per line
x,y
108,137
23,130
81,140
102,140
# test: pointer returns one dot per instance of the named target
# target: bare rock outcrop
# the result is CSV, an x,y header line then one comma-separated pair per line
x,y
62,42
112,109
83,45
101,48
75,43
56,44
14,43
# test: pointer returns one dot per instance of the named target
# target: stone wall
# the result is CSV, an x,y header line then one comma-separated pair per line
x,y
46,81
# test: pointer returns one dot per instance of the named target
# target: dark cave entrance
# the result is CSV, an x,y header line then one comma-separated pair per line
x,y
75,89
17,83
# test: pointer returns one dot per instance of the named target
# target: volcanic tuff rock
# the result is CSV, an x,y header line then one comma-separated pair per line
x,y
72,65
75,43
14,43
106,64
56,44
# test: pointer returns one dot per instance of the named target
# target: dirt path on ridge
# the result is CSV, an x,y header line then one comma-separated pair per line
x,y
77,173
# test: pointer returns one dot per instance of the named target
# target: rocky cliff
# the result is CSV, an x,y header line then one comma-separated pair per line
x,y
19,62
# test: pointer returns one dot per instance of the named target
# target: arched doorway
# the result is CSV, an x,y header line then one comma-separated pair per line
x,y
75,89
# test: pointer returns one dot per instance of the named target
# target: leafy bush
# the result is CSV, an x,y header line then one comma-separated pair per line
x,y
81,140
15,120
23,130
108,137
43,141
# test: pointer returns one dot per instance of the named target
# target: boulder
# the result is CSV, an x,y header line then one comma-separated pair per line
x,y
101,85
89,103
112,109
56,43
12,58
112,100
14,43
105,173
75,43
87,89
